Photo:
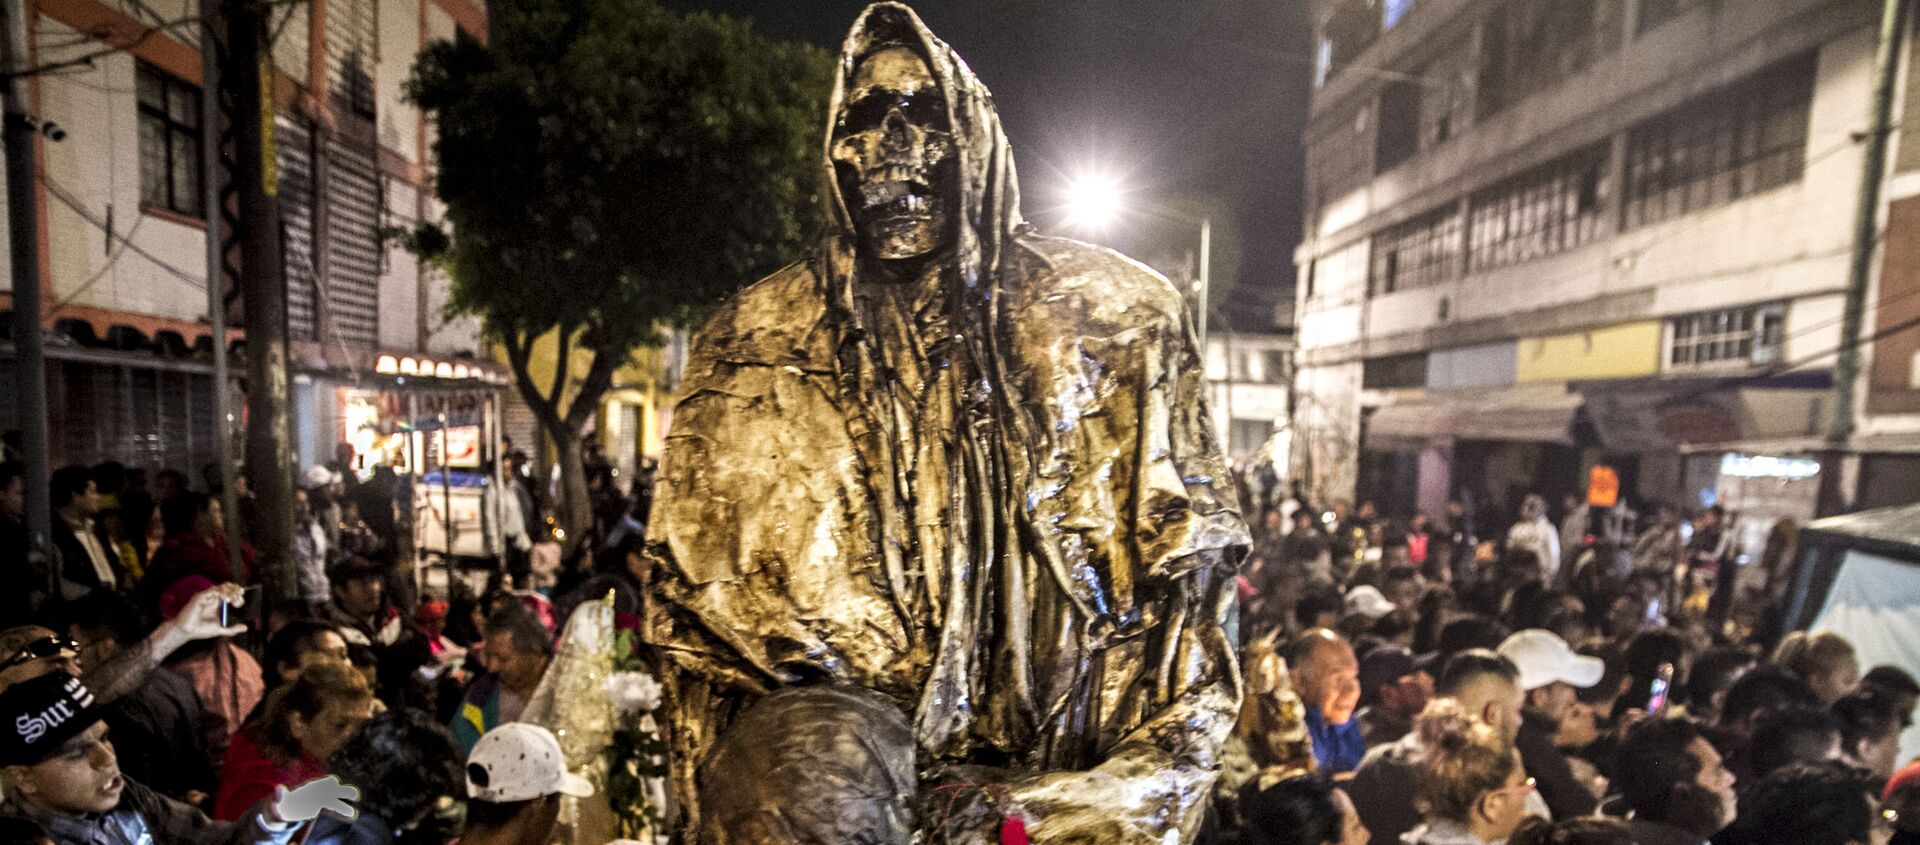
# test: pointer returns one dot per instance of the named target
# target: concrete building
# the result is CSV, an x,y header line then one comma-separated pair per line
x,y
1546,236
123,232
1249,379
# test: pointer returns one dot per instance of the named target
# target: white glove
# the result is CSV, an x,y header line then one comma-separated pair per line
x,y
304,802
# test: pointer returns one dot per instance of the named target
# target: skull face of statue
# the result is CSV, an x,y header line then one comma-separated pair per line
x,y
893,156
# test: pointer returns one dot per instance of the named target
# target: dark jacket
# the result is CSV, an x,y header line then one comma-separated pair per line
x,y
1547,765
75,565
159,735
145,817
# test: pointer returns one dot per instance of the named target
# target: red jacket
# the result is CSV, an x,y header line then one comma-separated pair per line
x,y
249,775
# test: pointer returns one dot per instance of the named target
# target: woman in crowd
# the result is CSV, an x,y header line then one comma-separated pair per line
x,y
305,722
1824,659
1471,782
1301,810
408,771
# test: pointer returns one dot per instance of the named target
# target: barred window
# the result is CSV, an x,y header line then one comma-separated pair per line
x,y
1421,252
1731,337
1528,46
1549,209
169,142
1732,143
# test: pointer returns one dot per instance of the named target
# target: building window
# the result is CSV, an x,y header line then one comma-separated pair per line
x,y
1397,132
1732,143
1549,209
1529,46
1394,371
1421,252
169,143
1733,337
1392,11
1349,30
1248,436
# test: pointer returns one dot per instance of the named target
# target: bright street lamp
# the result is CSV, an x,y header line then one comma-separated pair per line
x,y
1093,202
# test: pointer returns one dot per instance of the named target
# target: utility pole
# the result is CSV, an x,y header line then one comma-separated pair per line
x,y
211,136
263,286
1866,236
22,143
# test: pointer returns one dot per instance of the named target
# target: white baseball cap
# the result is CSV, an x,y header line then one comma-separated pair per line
x,y
317,476
520,762
1544,659
1368,601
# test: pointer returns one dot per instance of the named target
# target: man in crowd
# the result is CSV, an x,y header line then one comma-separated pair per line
x,y
1675,783
160,732
1791,735
518,650
515,778
27,587
1486,686
29,651
1809,804
1394,688
1551,675
1327,677
358,608
86,564
62,774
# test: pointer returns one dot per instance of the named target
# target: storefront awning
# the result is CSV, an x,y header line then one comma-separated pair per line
x,y
1684,414
1522,414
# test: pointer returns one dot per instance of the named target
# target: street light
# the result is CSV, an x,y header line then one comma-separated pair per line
x,y
1094,203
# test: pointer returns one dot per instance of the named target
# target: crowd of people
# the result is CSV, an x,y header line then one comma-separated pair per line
x,y
1584,676
1599,681
153,696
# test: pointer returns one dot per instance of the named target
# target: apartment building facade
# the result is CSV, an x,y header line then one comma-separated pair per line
x,y
124,233
1547,236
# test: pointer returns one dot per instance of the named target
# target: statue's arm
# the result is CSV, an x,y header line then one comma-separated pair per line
x,y
1151,787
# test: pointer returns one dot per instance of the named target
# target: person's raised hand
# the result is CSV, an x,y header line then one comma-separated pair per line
x,y
305,802
200,619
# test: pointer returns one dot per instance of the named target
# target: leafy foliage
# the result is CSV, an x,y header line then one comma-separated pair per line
x,y
611,168
614,165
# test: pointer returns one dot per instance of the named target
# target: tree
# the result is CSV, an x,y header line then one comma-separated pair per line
x,y
610,169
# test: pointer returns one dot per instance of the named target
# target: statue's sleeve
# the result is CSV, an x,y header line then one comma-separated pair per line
x,y
1171,528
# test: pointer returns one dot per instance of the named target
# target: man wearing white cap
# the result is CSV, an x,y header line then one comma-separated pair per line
x,y
1367,600
1550,673
515,777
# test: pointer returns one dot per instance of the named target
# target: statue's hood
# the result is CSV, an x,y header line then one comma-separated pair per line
x,y
990,202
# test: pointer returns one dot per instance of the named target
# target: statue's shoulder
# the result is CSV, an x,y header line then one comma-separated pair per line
x,y
1103,284
768,321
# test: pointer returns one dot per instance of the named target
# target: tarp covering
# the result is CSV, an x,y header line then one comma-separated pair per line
x,y
1875,604
1895,530
1534,415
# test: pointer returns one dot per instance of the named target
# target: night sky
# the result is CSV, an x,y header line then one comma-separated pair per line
x,y
1194,106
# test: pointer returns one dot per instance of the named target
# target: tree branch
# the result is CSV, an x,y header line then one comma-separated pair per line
x,y
562,363
599,379
519,352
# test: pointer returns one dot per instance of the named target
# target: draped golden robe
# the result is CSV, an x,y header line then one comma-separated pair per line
x,y
995,498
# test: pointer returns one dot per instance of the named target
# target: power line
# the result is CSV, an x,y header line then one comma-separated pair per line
x,y
60,194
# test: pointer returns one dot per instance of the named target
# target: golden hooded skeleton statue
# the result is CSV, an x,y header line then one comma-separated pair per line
x,y
989,493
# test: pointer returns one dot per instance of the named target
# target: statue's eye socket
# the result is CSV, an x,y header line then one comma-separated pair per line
x,y
922,108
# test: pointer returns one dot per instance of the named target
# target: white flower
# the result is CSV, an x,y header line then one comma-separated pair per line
x,y
633,692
